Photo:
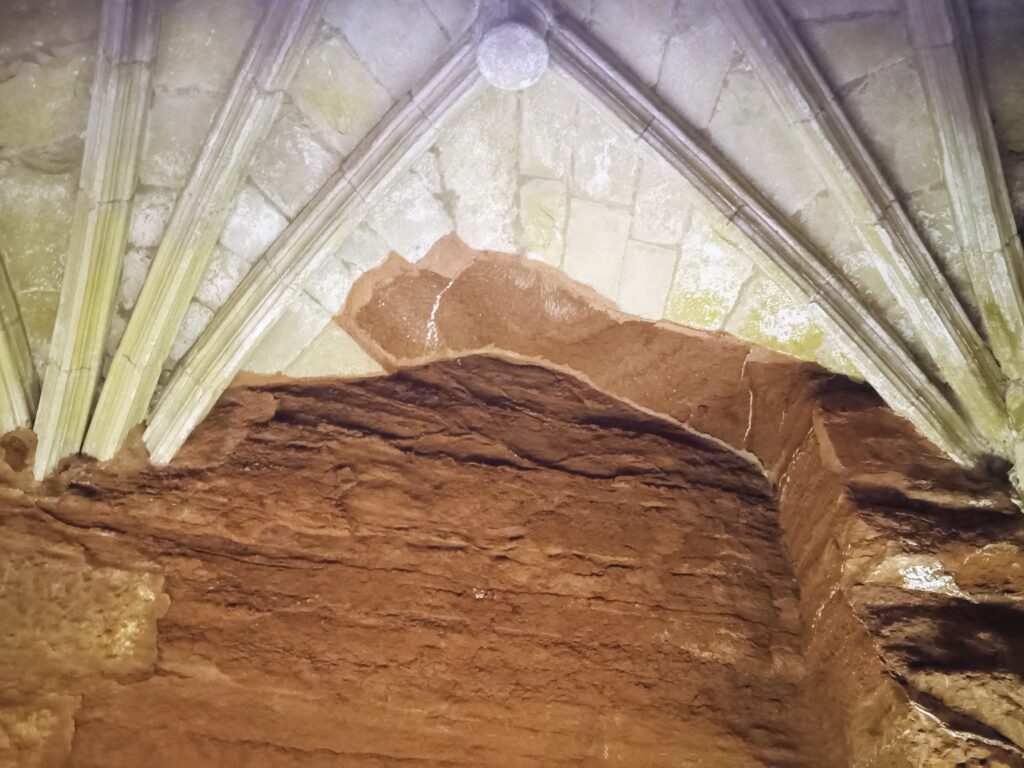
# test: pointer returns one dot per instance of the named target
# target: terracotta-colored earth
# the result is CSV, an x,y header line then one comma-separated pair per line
x,y
552,536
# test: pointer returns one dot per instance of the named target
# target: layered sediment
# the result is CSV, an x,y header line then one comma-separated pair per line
x,y
552,535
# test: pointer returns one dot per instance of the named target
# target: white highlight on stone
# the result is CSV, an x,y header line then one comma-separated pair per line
x,y
512,56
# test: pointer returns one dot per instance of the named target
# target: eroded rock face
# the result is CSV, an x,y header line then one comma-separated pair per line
x,y
554,535
470,563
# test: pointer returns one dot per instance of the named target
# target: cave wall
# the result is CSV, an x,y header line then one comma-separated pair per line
x,y
533,542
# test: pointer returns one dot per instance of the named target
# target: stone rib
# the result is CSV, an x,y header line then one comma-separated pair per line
x,y
18,385
876,349
400,137
954,346
199,216
943,40
99,229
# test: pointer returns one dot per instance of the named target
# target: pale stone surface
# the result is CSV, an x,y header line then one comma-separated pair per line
x,y
663,203
329,284
45,100
133,274
151,209
224,274
291,164
827,9
253,226
849,48
646,278
636,30
175,131
604,159
409,218
333,353
337,93
542,209
696,63
455,16
301,322
398,40
768,316
362,250
30,26
548,129
595,245
752,132
890,109
478,153
201,42
711,271
197,317
512,56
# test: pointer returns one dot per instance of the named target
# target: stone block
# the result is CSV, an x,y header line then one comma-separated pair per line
x,y
151,210
605,158
595,245
398,40
543,204
337,93
409,218
663,203
548,127
333,353
176,129
253,226
645,279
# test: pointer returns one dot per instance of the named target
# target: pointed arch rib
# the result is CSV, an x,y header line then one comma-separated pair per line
x,y
874,347
956,351
117,116
401,136
18,385
270,62
942,37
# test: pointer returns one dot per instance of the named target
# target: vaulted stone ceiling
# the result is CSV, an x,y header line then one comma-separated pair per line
x,y
189,188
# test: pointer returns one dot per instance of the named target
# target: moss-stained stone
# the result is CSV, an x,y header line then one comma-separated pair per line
x,y
548,127
202,42
409,218
543,204
176,128
47,99
35,218
604,159
595,245
291,164
696,62
636,30
253,225
645,279
398,40
338,93
478,153
38,313
663,202
333,353
767,315
711,272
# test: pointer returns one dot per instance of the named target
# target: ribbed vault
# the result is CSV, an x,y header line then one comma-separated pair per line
x,y
825,177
